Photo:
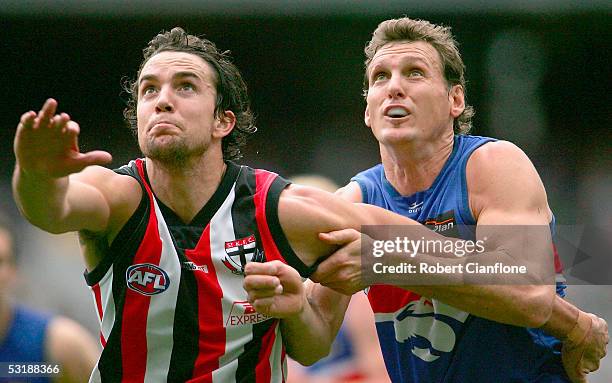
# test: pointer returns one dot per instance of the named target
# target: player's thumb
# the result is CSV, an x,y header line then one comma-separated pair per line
x,y
340,237
96,157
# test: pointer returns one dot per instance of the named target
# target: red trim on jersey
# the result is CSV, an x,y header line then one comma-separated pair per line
x,y
263,180
263,372
211,342
98,296
136,306
558,264
389,299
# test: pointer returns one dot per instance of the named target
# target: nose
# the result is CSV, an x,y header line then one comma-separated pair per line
x,y
395,88
164,101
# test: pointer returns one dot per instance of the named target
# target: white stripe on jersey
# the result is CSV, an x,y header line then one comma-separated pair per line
x,y
160,317
221,231
108,304
108,314
277,370
95,375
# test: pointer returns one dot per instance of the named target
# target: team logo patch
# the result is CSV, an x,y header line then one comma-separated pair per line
x,y
444,224
428,329
240,252
415,207
147,279
242,313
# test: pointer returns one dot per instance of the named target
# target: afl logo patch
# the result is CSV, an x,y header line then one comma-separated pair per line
x,y
147,279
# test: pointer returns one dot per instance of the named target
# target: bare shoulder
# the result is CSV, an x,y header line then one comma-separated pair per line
x,y
73,348
499,174
111,183
497,156
121,192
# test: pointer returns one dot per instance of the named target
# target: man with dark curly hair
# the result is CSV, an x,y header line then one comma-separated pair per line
x,y
166,238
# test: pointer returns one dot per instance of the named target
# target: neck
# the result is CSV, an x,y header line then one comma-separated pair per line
x,y
187,188
414,166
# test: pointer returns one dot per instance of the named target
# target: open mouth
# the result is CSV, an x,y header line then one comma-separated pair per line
x,y
397,112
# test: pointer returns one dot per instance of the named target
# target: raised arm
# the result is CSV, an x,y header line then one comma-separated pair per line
x,y
47,185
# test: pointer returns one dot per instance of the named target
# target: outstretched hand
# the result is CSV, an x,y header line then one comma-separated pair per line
x,y
275,289
46,144
583,355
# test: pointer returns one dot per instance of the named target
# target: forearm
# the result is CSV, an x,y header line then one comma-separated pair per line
x,y
562,319
41,199
518,305
517,299
308,336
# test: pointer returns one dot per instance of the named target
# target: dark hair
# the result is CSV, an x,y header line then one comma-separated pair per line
x,y
441,38
231,88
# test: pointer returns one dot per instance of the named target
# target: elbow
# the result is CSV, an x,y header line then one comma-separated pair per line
x,y
540,306
311,357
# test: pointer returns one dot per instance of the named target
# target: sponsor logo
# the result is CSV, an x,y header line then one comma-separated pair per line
x,y
147,279
444,223
240,252
193,267
427,328
243,313
415,207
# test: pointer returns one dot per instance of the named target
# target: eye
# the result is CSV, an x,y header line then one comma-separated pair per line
x,y
147,90
187,87
379,76
415,73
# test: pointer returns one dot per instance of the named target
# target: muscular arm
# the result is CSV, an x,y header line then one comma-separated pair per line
x,y
57,188
505,189
494,176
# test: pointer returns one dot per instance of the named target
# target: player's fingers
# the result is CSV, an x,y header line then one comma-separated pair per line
x,y
96,157
340,237
255,294
264,305
589,365
260,282
286,272
72,127
27,119
266,268
46,113
64,119
56,122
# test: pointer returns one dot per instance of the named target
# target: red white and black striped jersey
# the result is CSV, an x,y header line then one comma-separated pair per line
x,y
169,295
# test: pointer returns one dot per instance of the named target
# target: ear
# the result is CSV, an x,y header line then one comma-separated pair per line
x,y
366,116
456,96
224,124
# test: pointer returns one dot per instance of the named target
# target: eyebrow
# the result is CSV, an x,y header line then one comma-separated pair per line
x,y
406,59
177,75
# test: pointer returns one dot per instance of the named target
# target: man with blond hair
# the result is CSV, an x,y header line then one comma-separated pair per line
x,y
432,172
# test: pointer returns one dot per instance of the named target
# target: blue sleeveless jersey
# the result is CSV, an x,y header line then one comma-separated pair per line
x,y
24,341
427,341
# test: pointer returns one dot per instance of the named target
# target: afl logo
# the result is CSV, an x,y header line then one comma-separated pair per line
x,y
147,279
